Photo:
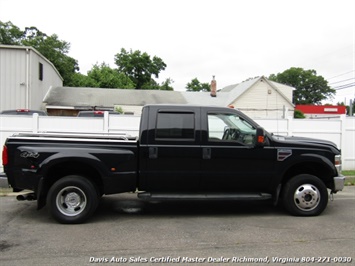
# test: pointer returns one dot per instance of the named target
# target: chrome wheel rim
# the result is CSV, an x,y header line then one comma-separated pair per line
x,y
307,197
71,201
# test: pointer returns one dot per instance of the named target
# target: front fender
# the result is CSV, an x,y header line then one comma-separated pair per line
x,y
301,163
320,159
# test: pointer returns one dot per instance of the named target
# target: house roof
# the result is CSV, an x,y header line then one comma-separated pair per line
x,y
90,97
69,96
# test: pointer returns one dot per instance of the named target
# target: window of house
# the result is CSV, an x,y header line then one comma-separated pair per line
x,y
175,126
40,71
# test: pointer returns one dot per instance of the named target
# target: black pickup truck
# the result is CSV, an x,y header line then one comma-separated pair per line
x,y
182,153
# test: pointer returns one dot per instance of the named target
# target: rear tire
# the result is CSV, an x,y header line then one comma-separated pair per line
x,y
305,195
72,199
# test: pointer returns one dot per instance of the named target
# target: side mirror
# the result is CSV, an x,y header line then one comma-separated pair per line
x,y
260,137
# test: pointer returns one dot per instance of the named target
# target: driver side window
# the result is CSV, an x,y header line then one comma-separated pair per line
x,y
230,128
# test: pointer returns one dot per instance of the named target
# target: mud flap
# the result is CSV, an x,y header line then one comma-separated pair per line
x,y
41,194
277,195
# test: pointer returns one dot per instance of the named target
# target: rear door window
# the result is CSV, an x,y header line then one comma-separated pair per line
x,y
179,126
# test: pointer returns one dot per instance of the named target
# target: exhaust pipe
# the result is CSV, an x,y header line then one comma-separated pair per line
x,y
29,197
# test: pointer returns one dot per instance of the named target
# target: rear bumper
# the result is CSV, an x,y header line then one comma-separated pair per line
x,y
339,182
22,179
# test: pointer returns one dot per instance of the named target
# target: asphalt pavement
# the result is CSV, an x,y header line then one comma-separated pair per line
x,y
128,231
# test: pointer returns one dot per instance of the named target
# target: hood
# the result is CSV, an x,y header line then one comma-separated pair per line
x,y
303,141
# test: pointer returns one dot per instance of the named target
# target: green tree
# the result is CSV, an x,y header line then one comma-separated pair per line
x,y
309,88
51,47
80,80
10,34
166,85
348,109
139,67
196,85
153,85
150,85
54,50
298,114
106,77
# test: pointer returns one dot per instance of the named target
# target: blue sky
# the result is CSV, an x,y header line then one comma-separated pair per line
x,y
233,40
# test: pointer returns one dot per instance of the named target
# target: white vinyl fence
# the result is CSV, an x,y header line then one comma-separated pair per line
x,y
341,130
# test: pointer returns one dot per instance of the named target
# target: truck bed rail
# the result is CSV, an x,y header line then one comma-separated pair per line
x,y
113,136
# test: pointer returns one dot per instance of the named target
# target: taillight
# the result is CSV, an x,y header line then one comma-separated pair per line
x,y
22,110
337,160
5,159
337,163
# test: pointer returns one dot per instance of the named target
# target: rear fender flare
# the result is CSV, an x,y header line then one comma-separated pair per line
x,y
59,158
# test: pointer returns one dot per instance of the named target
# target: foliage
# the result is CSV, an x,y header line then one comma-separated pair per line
x,y
153,85
50,47
118,109
150,85
298,114
353,108
196,85
106,77
166,85
139,67
80,80
10,34
309,88
348,110
135,69
54,50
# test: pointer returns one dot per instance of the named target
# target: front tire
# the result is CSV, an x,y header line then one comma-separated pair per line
x,y
305,195
72,199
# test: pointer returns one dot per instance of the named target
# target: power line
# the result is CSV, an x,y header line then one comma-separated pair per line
x,y
342,74
345,86
341,81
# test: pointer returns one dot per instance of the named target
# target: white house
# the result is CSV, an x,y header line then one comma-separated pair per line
x,y
258,98
25,77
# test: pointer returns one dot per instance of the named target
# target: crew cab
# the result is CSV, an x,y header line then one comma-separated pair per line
x,y
182,153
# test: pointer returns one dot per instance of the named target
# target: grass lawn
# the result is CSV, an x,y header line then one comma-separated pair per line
x,y
350,177
349,173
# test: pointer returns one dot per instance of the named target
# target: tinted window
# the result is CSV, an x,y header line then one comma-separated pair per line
x,y
175,126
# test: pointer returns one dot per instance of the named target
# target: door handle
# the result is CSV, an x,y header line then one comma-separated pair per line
x,y
153,153
206,153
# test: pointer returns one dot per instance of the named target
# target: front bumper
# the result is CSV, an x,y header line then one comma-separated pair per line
x,y
339,182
